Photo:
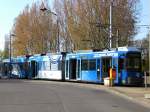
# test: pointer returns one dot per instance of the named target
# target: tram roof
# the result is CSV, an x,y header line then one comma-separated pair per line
x,y
112,52
123,49
128,49
46,57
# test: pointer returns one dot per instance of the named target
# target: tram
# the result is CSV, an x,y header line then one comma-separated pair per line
x,y
94,66
20,61
82,65
47,66
5,68
10,69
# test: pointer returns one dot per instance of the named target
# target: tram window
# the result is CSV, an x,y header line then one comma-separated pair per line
x,y
92,64
88,64
45,65
54,66
106,63
15,69
84,64
121,64
40,65
26,66
133,63
20,66
115,61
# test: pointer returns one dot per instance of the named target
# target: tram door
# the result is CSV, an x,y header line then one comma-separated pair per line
x,y
72,68
115,68
78,67
26,68
63,69
34,68
66,69
106,64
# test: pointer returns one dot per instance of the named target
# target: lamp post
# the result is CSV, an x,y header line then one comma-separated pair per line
x,y
110,24
10,54
57,40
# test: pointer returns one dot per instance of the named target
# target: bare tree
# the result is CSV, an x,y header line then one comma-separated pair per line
x,y
89,20
83,24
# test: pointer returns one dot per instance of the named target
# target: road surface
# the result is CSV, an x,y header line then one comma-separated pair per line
x,y
34,96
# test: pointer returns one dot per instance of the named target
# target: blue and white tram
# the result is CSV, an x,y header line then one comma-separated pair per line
x,y
130,66
94,66
11,69
81,66
5,68
48,66
21,61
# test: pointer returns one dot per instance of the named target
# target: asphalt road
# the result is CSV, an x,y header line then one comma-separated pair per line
x,y
28,96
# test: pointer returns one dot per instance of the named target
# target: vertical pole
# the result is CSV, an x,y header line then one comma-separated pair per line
x,y
117,38
42,44
10,55
110,26
145,80
58,35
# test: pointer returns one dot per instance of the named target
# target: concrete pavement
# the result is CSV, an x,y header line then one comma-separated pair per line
x,y
134,94
51,96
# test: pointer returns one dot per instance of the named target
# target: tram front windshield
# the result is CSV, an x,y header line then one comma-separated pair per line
x,y
133,61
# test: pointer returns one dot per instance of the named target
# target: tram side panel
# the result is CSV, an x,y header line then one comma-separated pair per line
x,y
51,67
89,70
82,67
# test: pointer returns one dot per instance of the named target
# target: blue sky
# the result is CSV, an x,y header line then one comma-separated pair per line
x,y
144,18
9,10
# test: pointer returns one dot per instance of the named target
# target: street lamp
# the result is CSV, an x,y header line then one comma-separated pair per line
x,y
110,24
10,54
50,12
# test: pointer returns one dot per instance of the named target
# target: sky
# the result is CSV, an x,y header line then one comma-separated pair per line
x,y
144,18
10,9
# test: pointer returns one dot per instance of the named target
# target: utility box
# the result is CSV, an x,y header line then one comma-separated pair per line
x,y
108,82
